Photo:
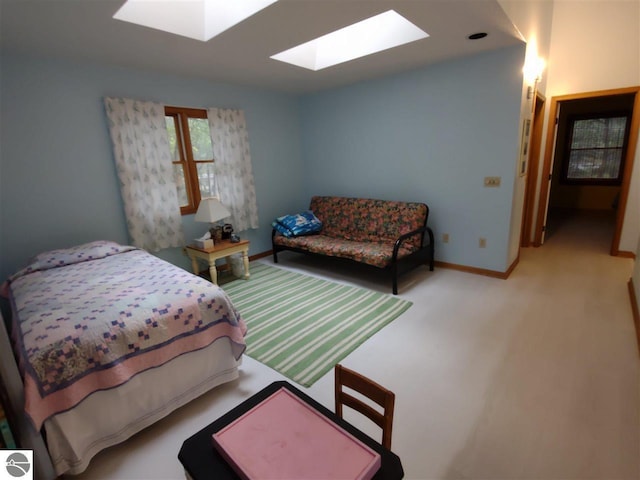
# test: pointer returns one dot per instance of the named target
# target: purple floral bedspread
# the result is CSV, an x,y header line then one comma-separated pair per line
x,y
90,317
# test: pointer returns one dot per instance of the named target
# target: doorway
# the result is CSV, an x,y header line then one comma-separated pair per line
x,y
562,196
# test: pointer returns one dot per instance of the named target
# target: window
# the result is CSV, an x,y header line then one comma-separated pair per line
x,y
192,155
596,148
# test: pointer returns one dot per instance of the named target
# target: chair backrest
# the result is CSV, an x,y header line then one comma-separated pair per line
x,y
345,377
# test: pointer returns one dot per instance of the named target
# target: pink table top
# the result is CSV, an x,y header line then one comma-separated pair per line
x,y
284,438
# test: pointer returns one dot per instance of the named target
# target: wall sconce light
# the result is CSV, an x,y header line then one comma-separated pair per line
x,y
532,71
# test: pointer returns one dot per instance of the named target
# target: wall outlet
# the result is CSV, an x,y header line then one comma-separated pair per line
x,y
492,181
482,242
445,238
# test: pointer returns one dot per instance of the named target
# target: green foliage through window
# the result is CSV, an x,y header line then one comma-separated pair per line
x,y
596,149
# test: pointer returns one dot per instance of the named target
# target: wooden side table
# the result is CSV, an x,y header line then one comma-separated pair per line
x,y
221,249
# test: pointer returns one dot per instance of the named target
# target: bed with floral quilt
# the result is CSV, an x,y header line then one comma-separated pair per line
x,y
390,235
109,339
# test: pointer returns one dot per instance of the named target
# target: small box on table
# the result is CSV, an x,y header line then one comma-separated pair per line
x,y
204,244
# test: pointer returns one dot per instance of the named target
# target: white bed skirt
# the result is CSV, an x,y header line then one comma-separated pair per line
x,y
109,417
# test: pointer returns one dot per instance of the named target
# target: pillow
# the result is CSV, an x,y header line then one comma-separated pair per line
x,y
303,223
281,229
68,256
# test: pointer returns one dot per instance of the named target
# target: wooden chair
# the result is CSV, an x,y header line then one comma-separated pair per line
x,y
370,389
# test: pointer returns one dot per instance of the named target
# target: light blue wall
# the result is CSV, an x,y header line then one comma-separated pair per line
x,y
431,136
58,185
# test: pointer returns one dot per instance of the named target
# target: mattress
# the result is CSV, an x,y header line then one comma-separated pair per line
x,y
110,417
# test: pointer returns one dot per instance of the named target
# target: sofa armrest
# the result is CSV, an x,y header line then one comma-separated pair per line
x,y
420,231
404,237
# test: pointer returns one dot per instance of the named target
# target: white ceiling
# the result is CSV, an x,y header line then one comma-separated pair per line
x,y
85,30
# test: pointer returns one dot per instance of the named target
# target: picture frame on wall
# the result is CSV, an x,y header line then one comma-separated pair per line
x,y
524,150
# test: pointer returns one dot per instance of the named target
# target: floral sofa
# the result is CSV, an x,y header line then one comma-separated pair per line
x,y
385,234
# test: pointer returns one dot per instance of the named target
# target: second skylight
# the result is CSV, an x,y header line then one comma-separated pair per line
x,y
375,34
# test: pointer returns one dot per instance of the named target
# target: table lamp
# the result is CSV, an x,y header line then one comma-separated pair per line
x,y
210,210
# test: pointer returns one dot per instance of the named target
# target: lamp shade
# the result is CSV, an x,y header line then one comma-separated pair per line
x,y
211,210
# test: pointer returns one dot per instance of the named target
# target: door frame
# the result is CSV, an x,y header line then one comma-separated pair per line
x,y
545,182
532,169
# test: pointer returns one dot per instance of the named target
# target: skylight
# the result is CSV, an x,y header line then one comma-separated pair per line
x,y
198,19
381,32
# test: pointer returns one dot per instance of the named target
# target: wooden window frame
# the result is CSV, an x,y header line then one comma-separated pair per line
x,y
571,120
181,116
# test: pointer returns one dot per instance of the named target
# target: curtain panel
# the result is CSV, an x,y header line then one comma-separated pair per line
x,y
232,166
145,170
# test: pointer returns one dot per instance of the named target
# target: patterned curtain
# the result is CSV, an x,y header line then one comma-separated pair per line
x,y
232,166
143,161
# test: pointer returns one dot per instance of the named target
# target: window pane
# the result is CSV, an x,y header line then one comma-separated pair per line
x,y
200,139
178,174
601,164
599,132
173,138
205,178
596,148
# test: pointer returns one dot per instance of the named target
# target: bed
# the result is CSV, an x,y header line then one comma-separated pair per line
x,y
109,339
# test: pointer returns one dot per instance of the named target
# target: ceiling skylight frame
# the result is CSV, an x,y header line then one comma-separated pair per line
x,y
197,19
375,34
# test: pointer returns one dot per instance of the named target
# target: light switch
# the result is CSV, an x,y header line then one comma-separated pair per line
x,y
492,181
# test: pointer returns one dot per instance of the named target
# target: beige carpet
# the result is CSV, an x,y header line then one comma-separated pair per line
x,y
535,377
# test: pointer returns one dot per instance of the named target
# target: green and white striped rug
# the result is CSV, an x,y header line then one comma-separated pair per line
x,y
302,326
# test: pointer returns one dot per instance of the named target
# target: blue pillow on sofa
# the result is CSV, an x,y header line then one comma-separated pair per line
x,y
303,223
